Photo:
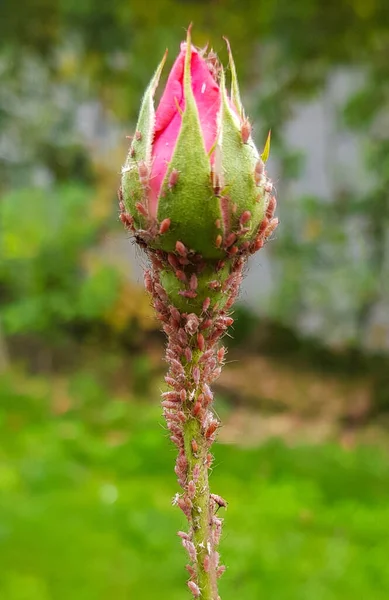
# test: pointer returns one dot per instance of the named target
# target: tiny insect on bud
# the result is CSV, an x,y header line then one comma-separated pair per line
x,y
188,354
176,441
271,227
206,563
148,281
206,304
271,207
172,396
218,224
181,276
230,239
173,260
183,506
164,226
193,283
218,241
183,395
214,284
138,136
196,409
195,446
180,248
196,472
259,170
196,375
219,500
194,588
205,324
191,549
245,131
168,404
233,250
170,381
245,217
183,535
200,342
187,293
209,460
191,488
141,209
192,323
173,178
191,570
220,570
220,354
211,429
182,337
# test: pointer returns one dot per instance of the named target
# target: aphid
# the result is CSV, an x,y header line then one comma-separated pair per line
x,y
234,207
196,375
194,588
220,354
206,304
245,131
173,260
214,284
164,226
271,227
271,207
172,396
219,500
220,570
191,549
141,209
200,342
181,249
187,293
182,504
230,239
193,283
188,354
176,441
183,395
211,429
138,136
258,171
148,282
217,224
233,250
183,535
205,324
192,323
224,207
170,381
182,337
173,178
143,172
206,563
196,472
195,446
161,292
168,404
132,152
218,241
196,409
181,275
191,570
209,460
191,489
175,313
245,216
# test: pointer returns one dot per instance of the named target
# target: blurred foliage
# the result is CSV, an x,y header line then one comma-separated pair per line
x,y
86,481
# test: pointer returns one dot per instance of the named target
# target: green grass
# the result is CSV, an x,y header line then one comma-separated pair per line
x,y
85,510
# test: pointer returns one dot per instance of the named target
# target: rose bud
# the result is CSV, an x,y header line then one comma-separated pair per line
x,y
194,183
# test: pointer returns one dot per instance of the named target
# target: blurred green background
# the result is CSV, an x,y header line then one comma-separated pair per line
x,y
86,469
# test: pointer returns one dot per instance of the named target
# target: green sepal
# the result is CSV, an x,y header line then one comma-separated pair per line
x,y
266,151
140,150
191,204
235,94
238,163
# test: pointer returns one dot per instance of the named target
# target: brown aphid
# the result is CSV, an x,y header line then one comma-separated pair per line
x,y
271,227
205,324
181,276
187,293
164,226
173,178
196,409
230,239
246,131
173,260
209,460
143,172
233,250
195,446
193,282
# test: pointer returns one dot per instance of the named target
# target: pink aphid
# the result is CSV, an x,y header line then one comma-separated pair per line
x,y
245,217
187,293
211,429
183,535
230,239
173,178
206,563
206,304
220,354
246,131
259,171
138,136
195,446
164,226
181,249
173,260
219,500
181,276
183,395
220,570
214,284
196,375
141,209
191,488
200,342
271,207
188,354
193,283
194,588
271,227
